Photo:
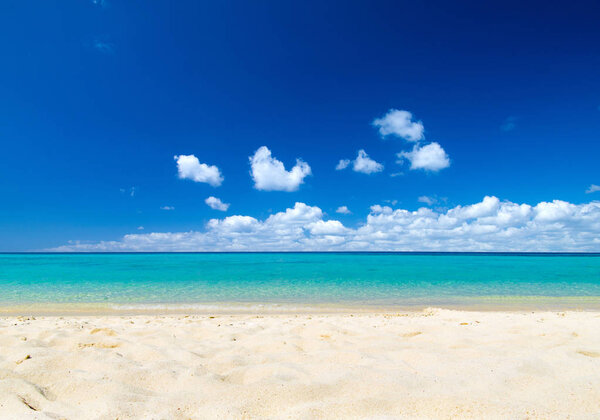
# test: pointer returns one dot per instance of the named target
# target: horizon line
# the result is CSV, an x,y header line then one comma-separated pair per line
x,y
514,253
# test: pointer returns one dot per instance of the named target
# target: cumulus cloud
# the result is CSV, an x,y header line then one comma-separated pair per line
x,y
189,167
167,208
343,210
269,174
592,188
490,225
377,209
234,226
329,227
299,215
216,204
487,207
342,164
430,157
363,164
400,123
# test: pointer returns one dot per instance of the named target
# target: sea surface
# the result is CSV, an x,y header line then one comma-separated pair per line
x,y
385,279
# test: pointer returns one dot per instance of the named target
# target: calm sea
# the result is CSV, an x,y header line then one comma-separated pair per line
x,y
128,280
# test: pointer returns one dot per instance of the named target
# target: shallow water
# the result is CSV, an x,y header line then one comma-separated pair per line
x,y
298,278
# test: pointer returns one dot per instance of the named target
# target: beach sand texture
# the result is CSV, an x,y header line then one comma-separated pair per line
x,y
430,364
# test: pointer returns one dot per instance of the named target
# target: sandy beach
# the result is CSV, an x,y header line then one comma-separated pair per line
x,y
424,364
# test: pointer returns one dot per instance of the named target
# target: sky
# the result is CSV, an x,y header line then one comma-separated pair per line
x,y
275,125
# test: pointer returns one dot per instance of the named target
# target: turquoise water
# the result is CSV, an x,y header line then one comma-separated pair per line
x,y
389,279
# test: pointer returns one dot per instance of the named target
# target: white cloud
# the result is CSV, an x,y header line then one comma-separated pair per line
x,y
555,211
234,225
342,164
427,200
363,164
399,123
329,227
189,167
300,214
140,228
592,188
167,208
269,174
377,209
487,207
490,225
343,210
216,204
430,157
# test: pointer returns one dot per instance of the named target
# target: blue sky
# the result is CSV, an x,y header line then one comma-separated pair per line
x,y
98,97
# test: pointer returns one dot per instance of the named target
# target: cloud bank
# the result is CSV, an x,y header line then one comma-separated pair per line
x,y
189,167
269,174
490,225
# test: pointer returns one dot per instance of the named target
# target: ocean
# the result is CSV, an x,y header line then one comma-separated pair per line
x,y
188,280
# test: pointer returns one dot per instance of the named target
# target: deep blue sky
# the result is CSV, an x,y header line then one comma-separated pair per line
x,y
97,97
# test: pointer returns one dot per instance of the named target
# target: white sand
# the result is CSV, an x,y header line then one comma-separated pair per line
x,y
430,364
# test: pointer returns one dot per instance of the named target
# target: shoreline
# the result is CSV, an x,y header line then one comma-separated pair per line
x,y
477,304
